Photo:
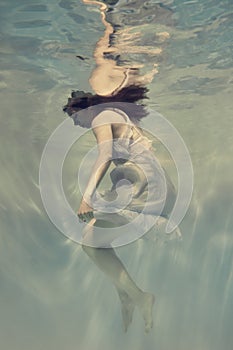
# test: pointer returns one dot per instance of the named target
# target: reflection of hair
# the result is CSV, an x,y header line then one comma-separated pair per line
x,y
131,94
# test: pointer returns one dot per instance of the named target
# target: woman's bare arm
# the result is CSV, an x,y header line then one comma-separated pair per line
x,y
103,134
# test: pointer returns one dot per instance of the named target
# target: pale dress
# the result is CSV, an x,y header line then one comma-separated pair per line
x,y
139,183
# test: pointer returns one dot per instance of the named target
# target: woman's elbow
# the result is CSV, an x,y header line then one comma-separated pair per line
x,y
105,155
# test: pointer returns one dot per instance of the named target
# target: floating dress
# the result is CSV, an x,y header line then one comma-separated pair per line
x,y
139,183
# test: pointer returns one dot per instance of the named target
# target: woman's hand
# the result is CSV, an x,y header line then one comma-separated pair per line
x,y
85,212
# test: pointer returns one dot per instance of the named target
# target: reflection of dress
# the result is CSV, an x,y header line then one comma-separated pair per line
x,y
139,184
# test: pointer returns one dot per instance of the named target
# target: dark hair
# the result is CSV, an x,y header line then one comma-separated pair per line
x,y
131,94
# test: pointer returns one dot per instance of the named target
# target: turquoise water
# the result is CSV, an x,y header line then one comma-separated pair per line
x,y
52,295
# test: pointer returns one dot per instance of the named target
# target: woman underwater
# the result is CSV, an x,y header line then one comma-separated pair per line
x,y
141,190
139,185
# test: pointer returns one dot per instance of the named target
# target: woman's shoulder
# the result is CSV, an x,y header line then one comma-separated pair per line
x,y
110,115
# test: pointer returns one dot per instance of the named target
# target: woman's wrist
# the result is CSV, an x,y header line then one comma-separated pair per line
x,y
86,199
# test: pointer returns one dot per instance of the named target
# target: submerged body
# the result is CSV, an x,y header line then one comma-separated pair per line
x,y
141,192
140,187
139,184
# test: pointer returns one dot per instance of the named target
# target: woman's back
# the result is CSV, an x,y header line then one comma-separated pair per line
x,y
128,141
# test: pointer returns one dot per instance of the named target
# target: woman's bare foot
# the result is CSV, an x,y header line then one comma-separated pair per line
x,y
146,307
127,308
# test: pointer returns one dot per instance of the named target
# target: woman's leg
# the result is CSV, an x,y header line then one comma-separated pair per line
x,y
127,308
130,294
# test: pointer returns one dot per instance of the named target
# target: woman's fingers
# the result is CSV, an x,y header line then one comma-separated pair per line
x,y
86,216
90,215
81,217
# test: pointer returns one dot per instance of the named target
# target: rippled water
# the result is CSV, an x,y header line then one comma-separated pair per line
x,y
52,295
